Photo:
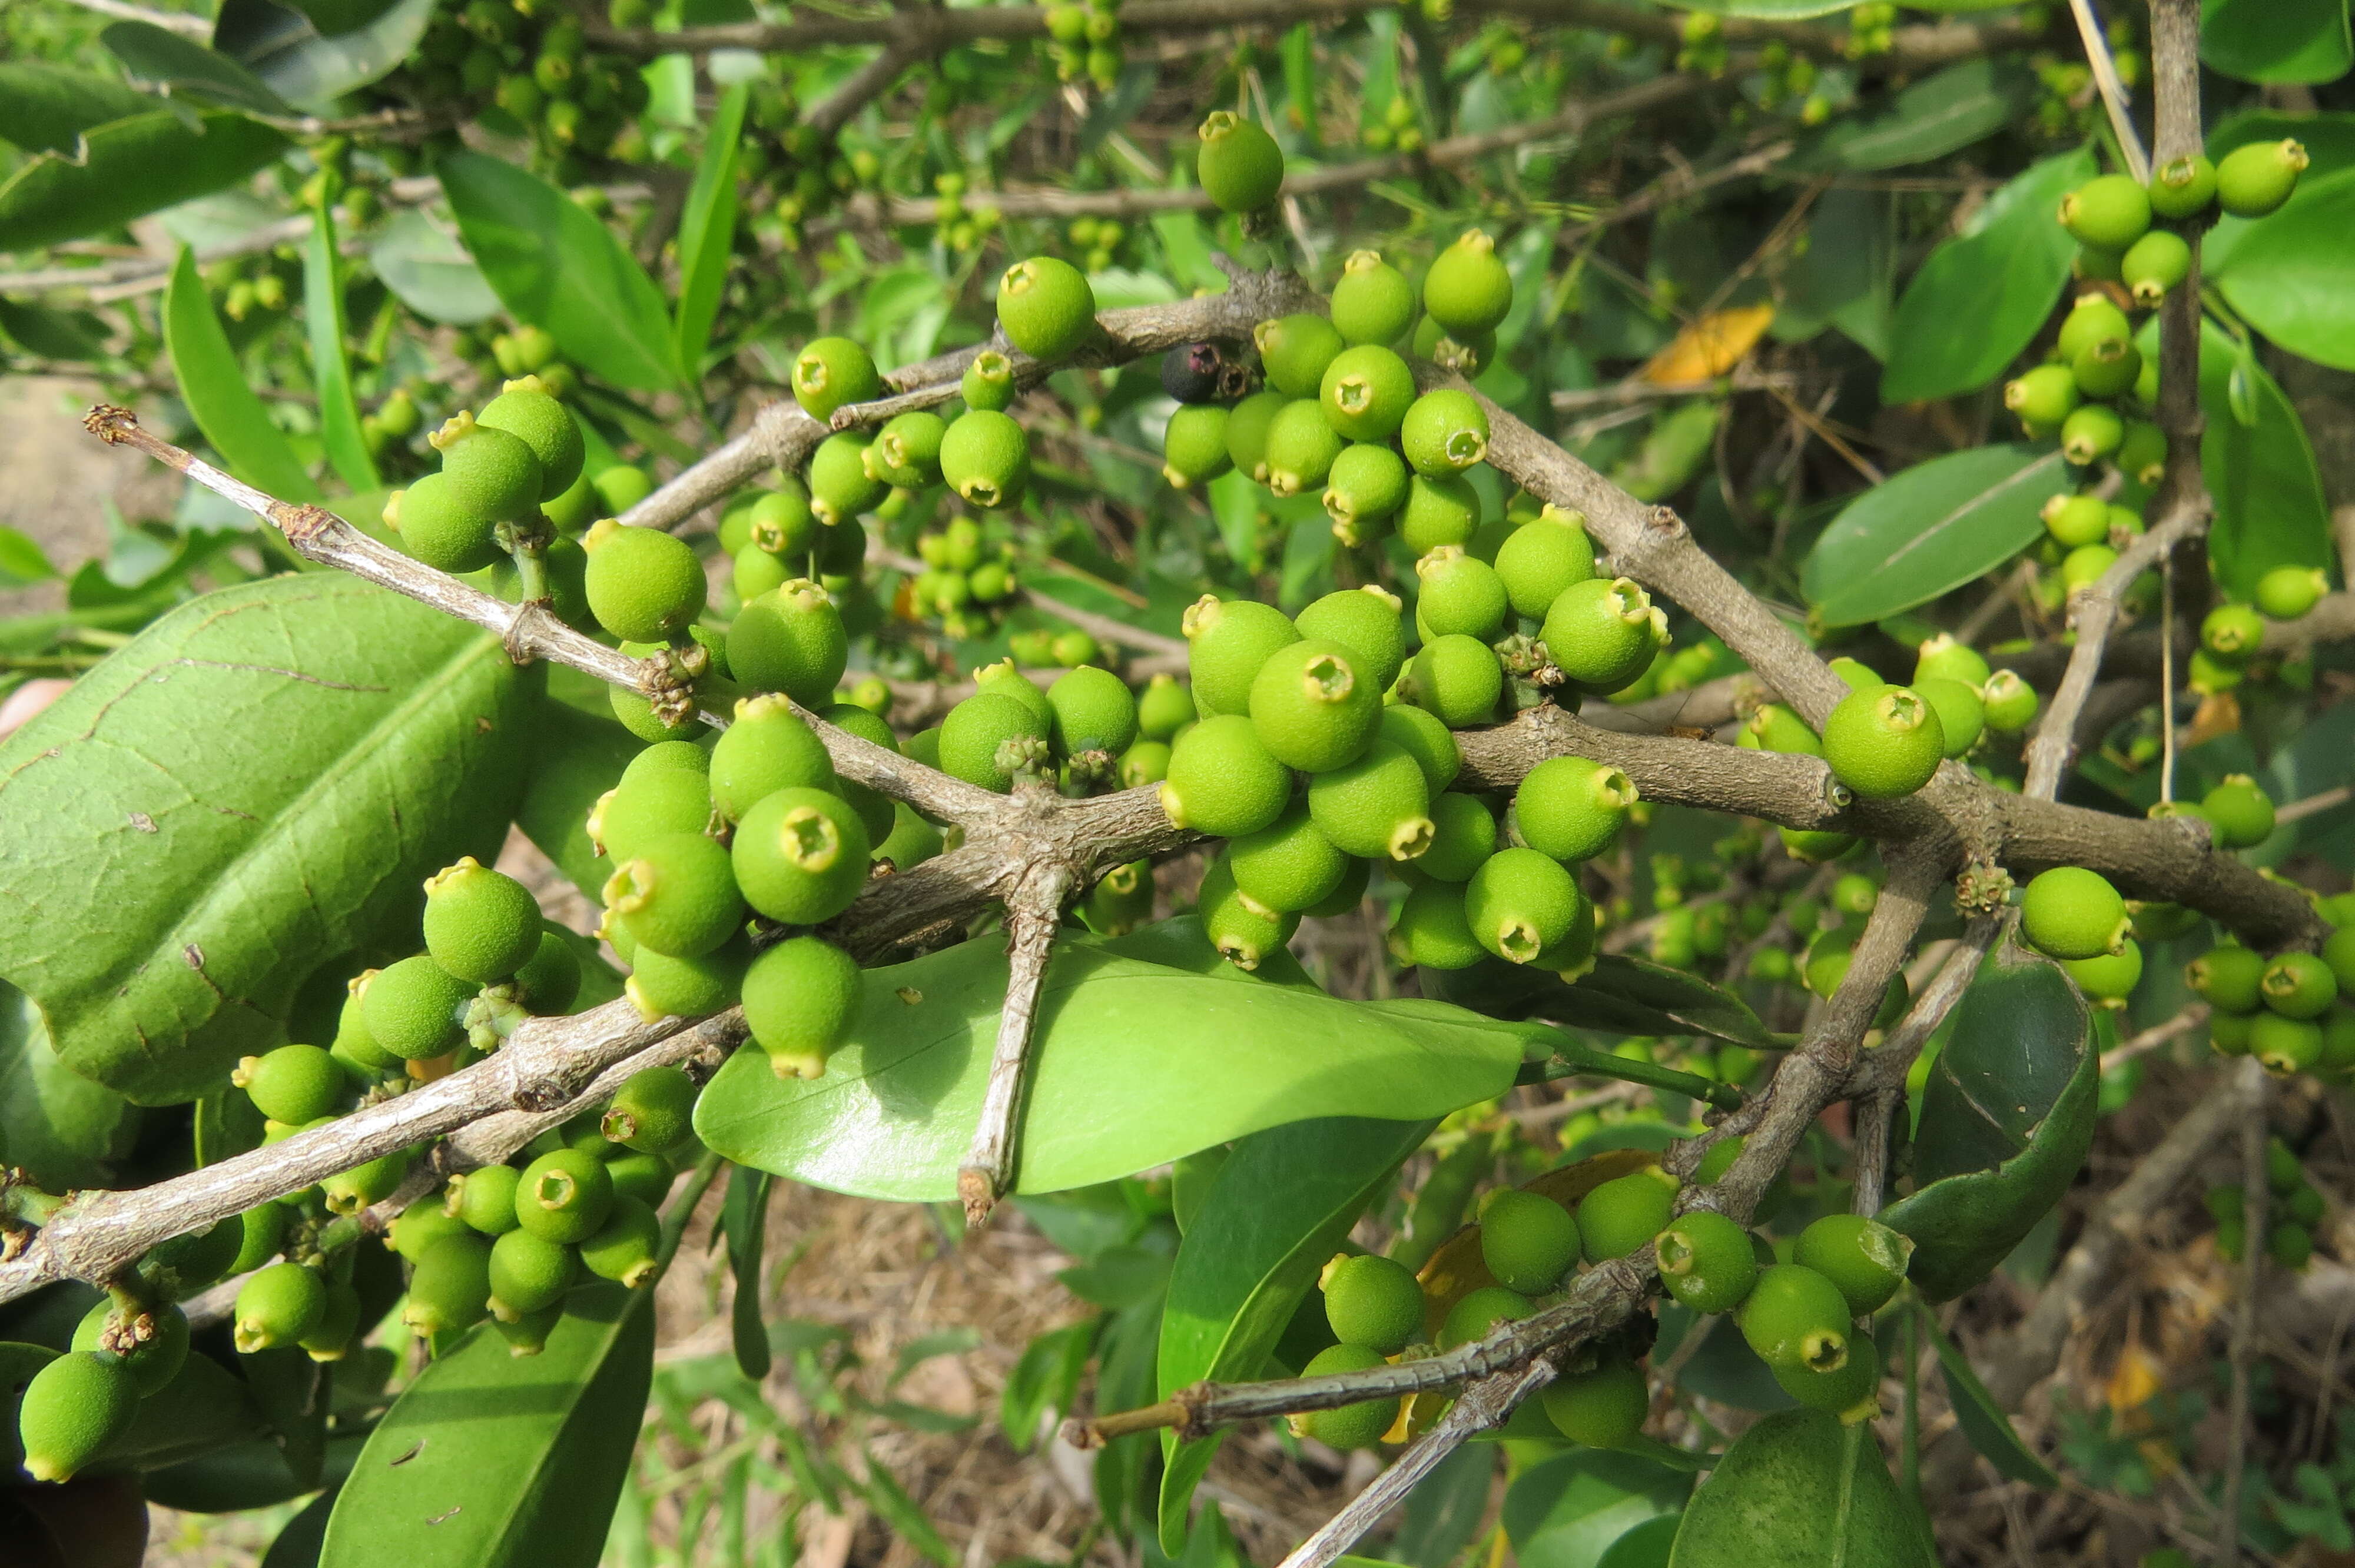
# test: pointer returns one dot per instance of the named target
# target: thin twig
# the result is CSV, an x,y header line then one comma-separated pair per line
x,y
1032,912
2114,91
185,24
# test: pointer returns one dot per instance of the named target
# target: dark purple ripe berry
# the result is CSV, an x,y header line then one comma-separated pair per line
x,y
1194,372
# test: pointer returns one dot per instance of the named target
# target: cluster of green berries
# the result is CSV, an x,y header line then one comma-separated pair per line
x,y
969,580
526,68
1397,127
2294,1211
1083,40
2290,1011
1087,731
510,479
128,1346
2232,635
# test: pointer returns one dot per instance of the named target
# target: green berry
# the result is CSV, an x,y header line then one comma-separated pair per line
x,y
791,640
2092,318
1440,510
653,1109
1467,290
1223,780
1423,737
1366,392
1539,559
1045,308
294,1084
1850,1391
480,924
985,458
831,371
780,523
2228,978
1626,1212
277,1306
2339,952
564,1195
2298,985
1145,762
1601,632
1773,728
1431,931
2286,593
151,1345
907,451
1365,623
1289,865
370,1182
72,1408
2068,912
2233,631
626,1248
1569,809
1166,705
1243,931
1302,448
990,736
449,1288
648,804
1477,1314
1194,446
1377,807
1227,641
2043,397
1240,165
2284,1044
524,411
1458,679
800,856
620,487
2111,977
1521,903
1961,716
645,1177
527,1273
767,748
1460,595
1444,432
422,1223
2009,703
1706,1261
1528,1241
2105,370
2088,435
338,1325
1863,1258
2183,187
1463,837
1795,1318
2241,811
1602,1407
988,382
493,473
643,584
677,894
1372,302
1373,1301
529,1336
482,1199
2151,266
1312,707
843,482
1296,351
2252,181
1365,487
411,1009
1247,427
2108,212
180,1267
441,525
1094,711
1883,742
1360,1426
800,998
660,985
2075,521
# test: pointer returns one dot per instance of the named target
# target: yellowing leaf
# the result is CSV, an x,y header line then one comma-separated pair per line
x,y
1709,346
2134,1382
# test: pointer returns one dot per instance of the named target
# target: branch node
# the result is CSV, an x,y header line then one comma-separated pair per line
x,y
110,422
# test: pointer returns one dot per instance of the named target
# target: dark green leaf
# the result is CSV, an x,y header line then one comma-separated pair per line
x,y
1445,1509
291,1390
1799,1490
1120,1276
1848,275
333,18
55,334
2006,1116
128,168
46,107
500,1461
203,1407
743,1219
303,1537
900,1512
1282,1203
331,372
1983,1421
1042,1383
166,912
1938,115
575,755
54,1122
1628,995
179,67
2001,275
560,268
2277,40
1929,530
1566,1512
1135,1063
1784,10
1725,1369
706,229
1646,1546
429,271
290,53
2288,277
213,385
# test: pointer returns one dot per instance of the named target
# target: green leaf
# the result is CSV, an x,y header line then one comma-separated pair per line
x,y
300,62
1044,1381
1799,1490
2001,275
1282,1204
2277,40
1566,1512
1783,10
2270,507
743,1219
1938,115
1847,276
129,168
21,560
429,271
206,817
1445,1509
52,334
1929,530
46,107
1628,995
1646,1546
500,1461
2288,277
2006,1116
706,229
180,67
54,1123
561,270
575,757
213,385
331,372
1984,1422
1135,1063
204,1407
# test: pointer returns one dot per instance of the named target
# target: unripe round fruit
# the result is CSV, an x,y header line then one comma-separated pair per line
x,y
985,458
564,1195
1603,1407
800,998
767,748
2075,521
524,411
841,483
1360,1426
2286,593
2108,212
1863,1258
411,1008
1850,1391
441,526
1194,446
1366,391
2252,181
1479,1312
661,985
1431,929
987,382
2284,1044
1377,807
529,1336
1094,711
1247,425
1242,932
1289,865
72,1408
482,1199
1520,903
653,1109
1458,679
2183,187
1528,1241
646,805
2069,912
419,1226
1240,165
645,1177
1364,488
643,583
1423,737
1223,780
2009,702
277,1306
1961,716
990,735
2042,397
1227,641
1569,809
2298,985
2090,434
620,487
626,1247
1365,621
1463,837
527,1273
2092,318
2105,369
830,372
1373,1301
2151,266
1145,762
677,894
1467,290
1045,307
1167,707
480,924
1312,708
153,1357
1539,559
791,640
1883,742
1444,432
2339,952
1296,351
494,473
1626,1213
370,1182
1372,301
2241,811
1460,595
782,523
1442,510
800,856
1773,728
1302,448
449,1288
1706,1261
2111,977
1793,1317
2229,978
907,451
2233,631
294,1084
1600,632
185,1265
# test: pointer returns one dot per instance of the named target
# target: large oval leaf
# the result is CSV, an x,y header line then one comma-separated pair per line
x,y
1929,530
576,756
499,1461
1982,296
560,268
306,64
46,107
256,784
1800,1490
2277,40
213,386
1570,1509
1283,1202
127,168
2006,1117
340,430
1935,116
430,271
2288,276
1135,1063
1986,1423
54,1123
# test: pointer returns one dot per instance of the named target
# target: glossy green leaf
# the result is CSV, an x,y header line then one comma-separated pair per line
x,y
1646,1546
128,168
429,271
2006,1116
201,821
2001,275
2277,40
2288,277
2270,507
1135,1063
46,107
575,755
179,67
1567,1511
1282,1204
1930,529
1985,1423
1799,1490
53,333
743,1221
1847,275
1724,1367
331,371
559,268
500,1461
706,229
1444,1511
307,63
56,1124
1941,114
204,1407
1629,995
301,1540
213,385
